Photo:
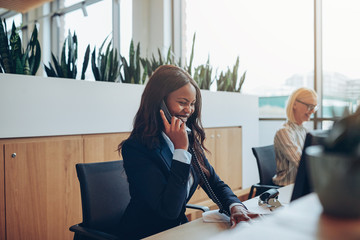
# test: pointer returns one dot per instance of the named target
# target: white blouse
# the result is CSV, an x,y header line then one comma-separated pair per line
x,y
288,143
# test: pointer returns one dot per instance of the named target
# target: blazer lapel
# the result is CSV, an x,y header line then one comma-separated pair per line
x,y
165,154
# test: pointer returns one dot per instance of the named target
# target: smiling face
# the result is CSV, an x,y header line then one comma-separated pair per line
x,y
301,109
181,102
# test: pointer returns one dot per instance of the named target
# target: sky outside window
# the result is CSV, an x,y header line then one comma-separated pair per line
x,y
274,40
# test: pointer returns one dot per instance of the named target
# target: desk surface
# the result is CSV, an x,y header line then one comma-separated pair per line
x,y
198,229
302,219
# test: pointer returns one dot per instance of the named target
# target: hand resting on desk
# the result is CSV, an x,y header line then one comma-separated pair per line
x,y
239,213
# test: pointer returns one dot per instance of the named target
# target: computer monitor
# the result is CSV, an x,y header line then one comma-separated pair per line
x,y
302,184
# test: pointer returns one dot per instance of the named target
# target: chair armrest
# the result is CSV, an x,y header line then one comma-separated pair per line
x,y
91,233
202,208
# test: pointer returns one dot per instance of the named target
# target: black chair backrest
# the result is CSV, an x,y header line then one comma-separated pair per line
x,y
302,184
104,194
265,158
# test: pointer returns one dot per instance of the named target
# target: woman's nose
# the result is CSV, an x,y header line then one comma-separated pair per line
x,y
187,109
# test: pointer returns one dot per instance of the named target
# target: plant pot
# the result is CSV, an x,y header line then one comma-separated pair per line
x,y
336,179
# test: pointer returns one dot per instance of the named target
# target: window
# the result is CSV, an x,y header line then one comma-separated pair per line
x,y
92,25
92,29
274,40
17,19
68,3
341,57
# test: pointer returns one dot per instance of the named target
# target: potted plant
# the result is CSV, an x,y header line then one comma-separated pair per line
x,y
106,66
66,66
13,59
228,81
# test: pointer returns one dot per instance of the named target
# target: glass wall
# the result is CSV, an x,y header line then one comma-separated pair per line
x,y
91,29
274,40
17,19
341,57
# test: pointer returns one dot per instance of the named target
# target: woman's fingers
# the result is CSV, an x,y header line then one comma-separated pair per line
x,y
165,121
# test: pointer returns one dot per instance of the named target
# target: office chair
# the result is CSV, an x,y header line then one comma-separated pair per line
x,y
302,185
104,198
265,158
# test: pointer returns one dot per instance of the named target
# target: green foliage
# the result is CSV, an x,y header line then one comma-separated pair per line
x,y
66,67
202,75
149,66
132,68
228,81
86,62
189,67
106,67
13,59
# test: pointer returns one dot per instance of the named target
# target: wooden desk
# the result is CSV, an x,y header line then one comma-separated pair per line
x,y
193,230
198,229
303,219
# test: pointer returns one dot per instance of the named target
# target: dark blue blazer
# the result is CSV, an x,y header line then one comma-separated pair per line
x,y
158,189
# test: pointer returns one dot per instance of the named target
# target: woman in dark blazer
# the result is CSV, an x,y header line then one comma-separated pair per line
x,y
159,158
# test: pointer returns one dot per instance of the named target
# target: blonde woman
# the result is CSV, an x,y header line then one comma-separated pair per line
x,y
289,139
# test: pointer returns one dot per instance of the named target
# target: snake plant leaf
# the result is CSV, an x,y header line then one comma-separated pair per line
x,y
50,71
127,78
15,44
242,79
116,68
26,67
161,61
6,63
137,67
75,47
86,62
131,56
62,64
107,63
35,52
59,70
121,76
145,74
191,55
19,69
169,59
95,69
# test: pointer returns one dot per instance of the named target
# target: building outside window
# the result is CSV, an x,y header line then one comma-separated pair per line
x,y
341,57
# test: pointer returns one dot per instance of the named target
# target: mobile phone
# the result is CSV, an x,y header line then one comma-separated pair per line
x,y
168,115
165,110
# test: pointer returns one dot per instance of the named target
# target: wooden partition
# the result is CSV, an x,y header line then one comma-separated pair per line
x,y
2,193
39,189
103,147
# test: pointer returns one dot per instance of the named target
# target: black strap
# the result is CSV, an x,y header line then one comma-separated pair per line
x,y
206,184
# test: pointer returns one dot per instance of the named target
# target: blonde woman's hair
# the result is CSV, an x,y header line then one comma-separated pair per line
x,y
302,94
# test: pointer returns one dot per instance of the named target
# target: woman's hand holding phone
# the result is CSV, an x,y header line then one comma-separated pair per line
x,y
176,131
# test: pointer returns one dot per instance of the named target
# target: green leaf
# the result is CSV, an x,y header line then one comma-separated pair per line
x,y
95,69
6,63
50,72
86,62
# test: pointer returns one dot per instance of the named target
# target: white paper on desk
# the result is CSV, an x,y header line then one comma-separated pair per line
x,y
215,216
254,207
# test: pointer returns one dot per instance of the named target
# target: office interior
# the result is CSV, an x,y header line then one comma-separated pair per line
x,y
281,45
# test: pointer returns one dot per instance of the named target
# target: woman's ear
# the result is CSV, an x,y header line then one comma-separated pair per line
x,y
294,106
